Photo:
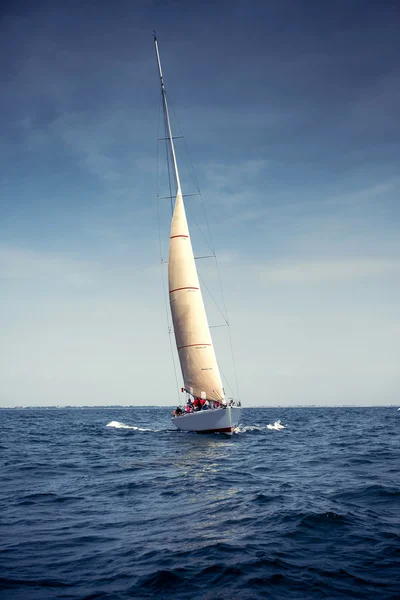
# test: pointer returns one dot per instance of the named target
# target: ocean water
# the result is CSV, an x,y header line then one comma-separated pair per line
x,y
115,504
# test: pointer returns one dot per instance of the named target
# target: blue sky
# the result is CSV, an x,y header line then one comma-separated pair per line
x,y
290,113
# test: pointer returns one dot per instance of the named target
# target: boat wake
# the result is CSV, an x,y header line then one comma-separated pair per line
x,y
249,428
277,426
118,425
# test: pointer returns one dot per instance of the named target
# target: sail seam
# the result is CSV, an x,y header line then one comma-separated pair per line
x,y
190,345
175,236
183,288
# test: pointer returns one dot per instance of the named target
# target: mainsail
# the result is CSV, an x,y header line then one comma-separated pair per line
x,y
192,334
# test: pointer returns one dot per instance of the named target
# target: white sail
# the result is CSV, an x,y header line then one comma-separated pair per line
x,y
193,340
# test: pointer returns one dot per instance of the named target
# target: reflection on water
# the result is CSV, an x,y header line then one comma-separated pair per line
x,y
202,455
203,463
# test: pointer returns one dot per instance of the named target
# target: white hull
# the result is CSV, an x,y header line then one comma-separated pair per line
x,y
217,420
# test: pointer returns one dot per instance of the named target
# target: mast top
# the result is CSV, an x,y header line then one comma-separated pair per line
x,y
166,114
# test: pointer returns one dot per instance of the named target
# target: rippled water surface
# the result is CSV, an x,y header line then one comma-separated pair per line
x,y
114,504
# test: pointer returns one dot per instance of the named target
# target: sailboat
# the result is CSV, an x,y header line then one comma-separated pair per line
x,y
200,372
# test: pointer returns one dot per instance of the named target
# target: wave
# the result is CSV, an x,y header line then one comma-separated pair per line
x,y
371,493
6,583
118,425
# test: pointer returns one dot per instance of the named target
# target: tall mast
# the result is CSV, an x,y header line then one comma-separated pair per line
x,y
167,121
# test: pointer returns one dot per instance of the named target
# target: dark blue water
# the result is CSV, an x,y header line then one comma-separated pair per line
x,y
90,511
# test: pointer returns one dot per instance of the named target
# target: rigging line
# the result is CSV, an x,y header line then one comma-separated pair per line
x,y
174,137
199,228
194,179
234,364
190,170
230,334
183,196
207,222
164,167
168,150
161,264
162,271
173,362
169,181
169,177
195,258
169,332
210,244
192,173
220,285
158,190
158,154
226,381
215,302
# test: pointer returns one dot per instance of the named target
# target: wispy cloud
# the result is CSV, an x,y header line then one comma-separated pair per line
x,y
328,271
294,136
32,265
222,176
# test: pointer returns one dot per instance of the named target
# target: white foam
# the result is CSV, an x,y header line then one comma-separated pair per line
x,y
118,425
277,425
245,428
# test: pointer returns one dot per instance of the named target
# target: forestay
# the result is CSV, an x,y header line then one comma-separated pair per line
x,y
193,340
